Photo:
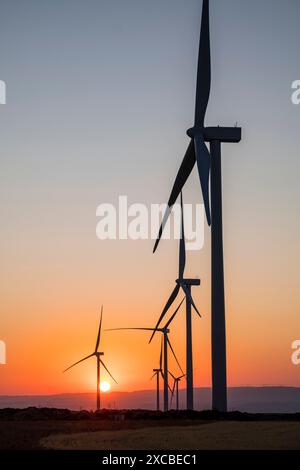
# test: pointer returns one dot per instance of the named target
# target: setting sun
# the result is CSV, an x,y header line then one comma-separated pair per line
x,y
104,386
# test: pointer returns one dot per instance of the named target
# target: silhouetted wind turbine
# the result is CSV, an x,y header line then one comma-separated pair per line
x,y
157,373
175,388
185,285
208,163
166,344
98,355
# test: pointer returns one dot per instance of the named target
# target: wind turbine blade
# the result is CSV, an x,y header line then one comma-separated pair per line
x,y
172,392
184,172
99,331
162,374
202,97
173,376
81,360
166,308
173,352
143,329
108,371
172,317
152,377
203,164
182,256
204,68
190,298
161,352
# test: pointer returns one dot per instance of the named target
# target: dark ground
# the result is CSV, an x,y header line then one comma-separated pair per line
x,y
23,429
23,435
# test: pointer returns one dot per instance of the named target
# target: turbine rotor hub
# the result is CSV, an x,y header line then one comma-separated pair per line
x,y
193,131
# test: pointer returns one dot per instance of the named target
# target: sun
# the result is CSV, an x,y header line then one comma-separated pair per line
x,y
104,386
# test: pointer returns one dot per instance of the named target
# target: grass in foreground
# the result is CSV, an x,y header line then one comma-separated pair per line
x,y
26,435
213,436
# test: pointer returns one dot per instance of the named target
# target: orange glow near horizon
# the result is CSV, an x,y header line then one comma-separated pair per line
x,y
41,346
52,302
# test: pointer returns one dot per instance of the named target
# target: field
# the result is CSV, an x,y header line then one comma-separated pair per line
x,y
28,435
212,436
47,428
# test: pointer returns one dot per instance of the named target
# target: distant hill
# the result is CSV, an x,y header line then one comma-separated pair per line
x,y
250,399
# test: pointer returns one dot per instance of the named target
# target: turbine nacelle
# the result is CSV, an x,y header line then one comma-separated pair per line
x,y
223,134
188,282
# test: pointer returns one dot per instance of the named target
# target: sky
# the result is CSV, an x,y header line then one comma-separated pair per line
x,y
99,97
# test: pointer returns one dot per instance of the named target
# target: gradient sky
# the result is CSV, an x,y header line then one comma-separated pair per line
x,y
99,96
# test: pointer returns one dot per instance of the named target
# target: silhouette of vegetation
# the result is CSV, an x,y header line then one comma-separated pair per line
x,y
24,428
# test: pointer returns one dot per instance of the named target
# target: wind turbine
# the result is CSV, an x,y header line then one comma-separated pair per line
x,y
98,355
166,345
185,285
175,388
208,163
157,373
